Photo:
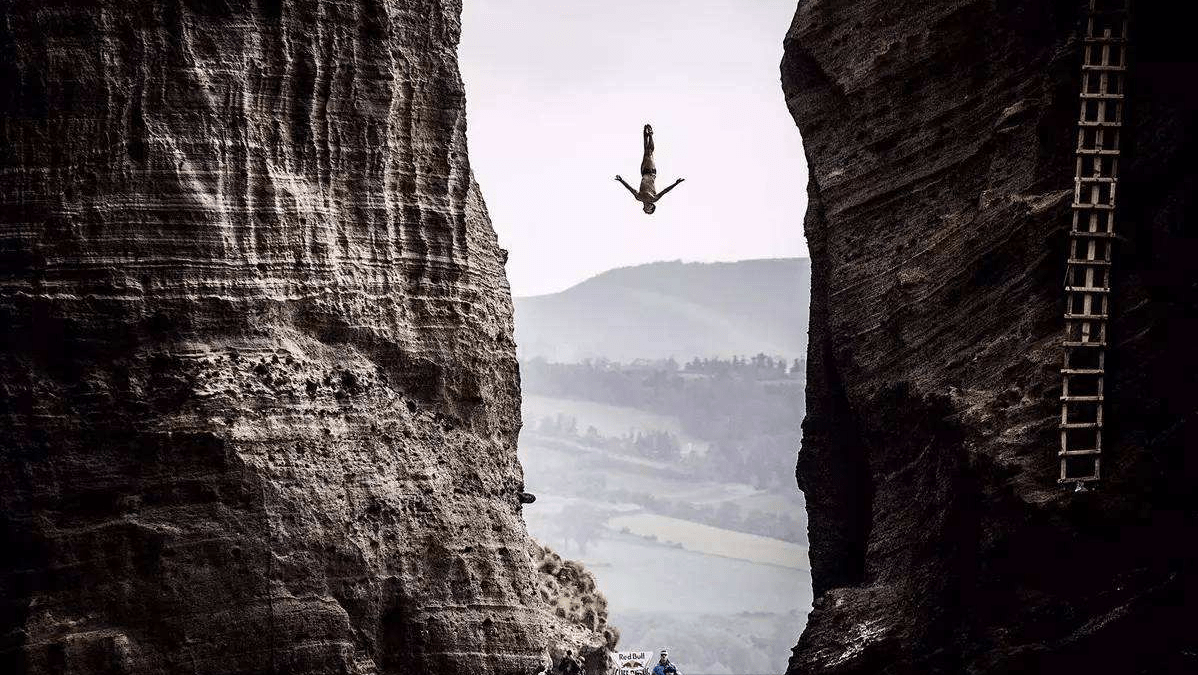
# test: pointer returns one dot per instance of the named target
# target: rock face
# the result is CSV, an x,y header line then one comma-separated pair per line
x,y
940,136
258,391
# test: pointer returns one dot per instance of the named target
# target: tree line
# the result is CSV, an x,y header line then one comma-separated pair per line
x,y
750,423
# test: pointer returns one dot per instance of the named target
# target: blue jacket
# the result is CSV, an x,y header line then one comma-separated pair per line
x,y
667,669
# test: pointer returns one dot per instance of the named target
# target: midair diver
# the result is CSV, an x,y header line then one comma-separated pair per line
x,y
648,193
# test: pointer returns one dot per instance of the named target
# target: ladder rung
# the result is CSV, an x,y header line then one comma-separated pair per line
x,y
1095,235
1082,371
1113,66
1105,40
1086,317
1094,179
1085,289
1101,97
1097,151
1076,343
1086,206
1079,453
1080,261
1104,124
1081,399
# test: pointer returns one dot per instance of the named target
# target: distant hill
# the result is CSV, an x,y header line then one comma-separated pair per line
x,y
673,309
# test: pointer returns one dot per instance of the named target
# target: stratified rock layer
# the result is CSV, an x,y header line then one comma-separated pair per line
x,y
258,393
939,136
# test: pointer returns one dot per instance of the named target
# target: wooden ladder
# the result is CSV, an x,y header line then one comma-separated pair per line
x,y
1088,267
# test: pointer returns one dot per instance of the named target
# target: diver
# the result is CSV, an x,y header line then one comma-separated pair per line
x,y
648,193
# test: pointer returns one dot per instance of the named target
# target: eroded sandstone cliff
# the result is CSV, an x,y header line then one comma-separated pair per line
x,y
939,136
258,392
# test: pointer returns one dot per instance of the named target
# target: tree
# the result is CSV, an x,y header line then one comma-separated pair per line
x,y
592,436
582,523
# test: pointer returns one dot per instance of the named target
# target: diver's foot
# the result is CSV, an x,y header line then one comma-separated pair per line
x,y
649,129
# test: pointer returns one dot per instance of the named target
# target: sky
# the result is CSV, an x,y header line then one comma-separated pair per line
x,y
557,92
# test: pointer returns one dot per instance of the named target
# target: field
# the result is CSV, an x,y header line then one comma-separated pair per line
x,y
548,462
638,574
608,420
713,540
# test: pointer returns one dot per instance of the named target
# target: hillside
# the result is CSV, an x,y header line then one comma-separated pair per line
x,y
673,309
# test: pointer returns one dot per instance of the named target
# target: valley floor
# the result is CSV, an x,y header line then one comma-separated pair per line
x,y
724,602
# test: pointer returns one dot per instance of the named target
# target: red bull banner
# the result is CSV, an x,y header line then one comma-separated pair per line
x,y
633,663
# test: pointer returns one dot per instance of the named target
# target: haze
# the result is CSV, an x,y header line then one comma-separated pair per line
x,y
556,97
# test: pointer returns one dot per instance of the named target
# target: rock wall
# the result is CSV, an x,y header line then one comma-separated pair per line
x,y
258,392
939,136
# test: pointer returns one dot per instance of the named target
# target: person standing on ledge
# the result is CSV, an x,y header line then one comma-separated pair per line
x,y
664,667
569,665
648,193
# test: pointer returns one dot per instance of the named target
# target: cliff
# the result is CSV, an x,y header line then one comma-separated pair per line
x,y
940,140
258,390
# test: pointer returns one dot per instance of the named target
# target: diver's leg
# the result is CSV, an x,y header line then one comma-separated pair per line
x,y
647,165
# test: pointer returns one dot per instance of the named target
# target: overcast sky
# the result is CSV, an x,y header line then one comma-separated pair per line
x,y
557,92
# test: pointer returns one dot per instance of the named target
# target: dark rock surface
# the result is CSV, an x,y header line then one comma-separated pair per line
x,y
258,391
939,136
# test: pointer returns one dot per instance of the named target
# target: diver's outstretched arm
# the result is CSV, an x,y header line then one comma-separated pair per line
x,y
672,186
625,184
